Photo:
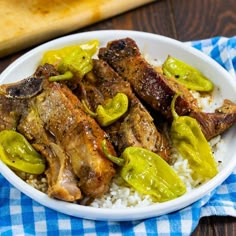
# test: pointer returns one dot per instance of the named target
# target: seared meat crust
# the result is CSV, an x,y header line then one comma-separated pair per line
x,y
152,87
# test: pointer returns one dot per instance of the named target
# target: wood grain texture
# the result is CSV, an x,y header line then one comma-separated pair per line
x,y
184,20
158,20
204,18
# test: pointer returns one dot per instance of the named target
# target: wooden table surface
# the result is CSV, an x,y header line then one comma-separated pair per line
x,y
184,20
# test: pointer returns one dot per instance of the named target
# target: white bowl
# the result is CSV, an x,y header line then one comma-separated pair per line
x,y
156,47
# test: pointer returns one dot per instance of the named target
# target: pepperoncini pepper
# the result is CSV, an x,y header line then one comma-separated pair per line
x,y
186,75
187,137
148,173
17,153
112,110
71,60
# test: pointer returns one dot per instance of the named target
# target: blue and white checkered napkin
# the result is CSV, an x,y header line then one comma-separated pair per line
x,y
19,215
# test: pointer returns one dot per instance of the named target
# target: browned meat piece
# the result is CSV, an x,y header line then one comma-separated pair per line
x,y
62,181
70,133
30,86
14,97
56,126
216,123
136,127
157,91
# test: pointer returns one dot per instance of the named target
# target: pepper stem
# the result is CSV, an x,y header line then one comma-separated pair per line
x,y
66,76
172,106
117,160
91,113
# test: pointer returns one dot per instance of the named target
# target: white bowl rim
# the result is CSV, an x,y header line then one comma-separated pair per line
x,y
129,213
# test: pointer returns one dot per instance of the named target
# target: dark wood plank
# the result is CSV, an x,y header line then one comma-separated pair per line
x,y
216,226
154,17
204,18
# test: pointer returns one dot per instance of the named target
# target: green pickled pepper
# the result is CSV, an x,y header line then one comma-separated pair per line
x,y
148,173
55,56
78,62
17,153
71,60
187,137
186,75
111,111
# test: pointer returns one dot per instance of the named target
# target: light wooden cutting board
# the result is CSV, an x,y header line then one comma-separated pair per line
x,y
30,22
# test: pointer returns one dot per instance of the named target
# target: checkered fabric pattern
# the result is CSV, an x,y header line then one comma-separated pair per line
x,y
20,215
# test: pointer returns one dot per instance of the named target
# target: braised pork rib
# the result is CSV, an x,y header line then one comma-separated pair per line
x,y
155,89
56,126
